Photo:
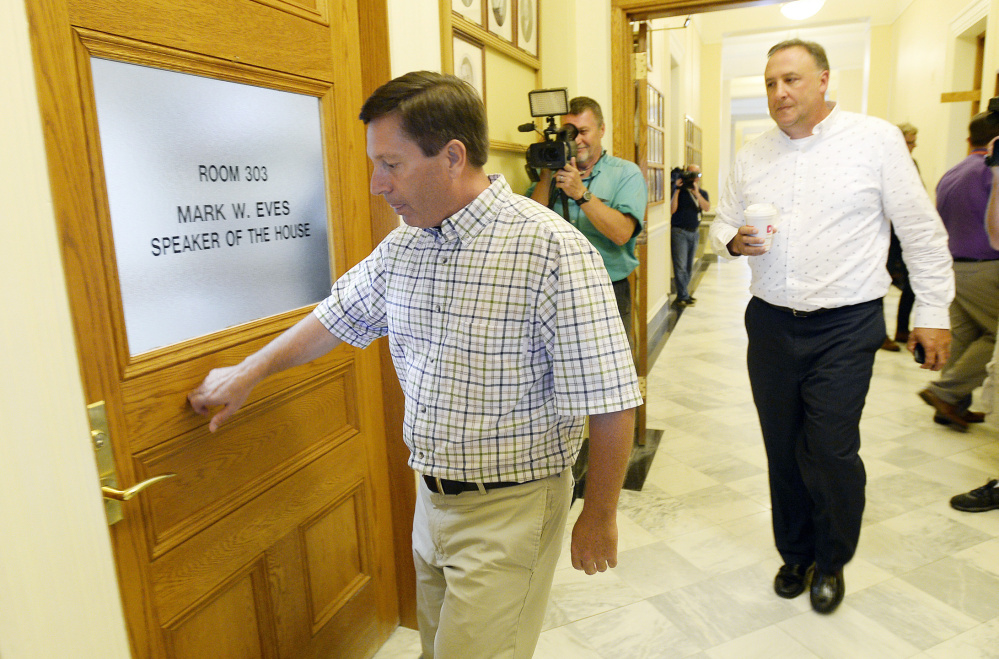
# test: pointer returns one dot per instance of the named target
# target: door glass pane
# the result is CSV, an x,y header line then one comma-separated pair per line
x,y
217,197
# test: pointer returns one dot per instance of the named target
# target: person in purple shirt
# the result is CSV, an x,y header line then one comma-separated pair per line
x,y
962,198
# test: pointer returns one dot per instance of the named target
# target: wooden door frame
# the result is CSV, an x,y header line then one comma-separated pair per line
x,y
623,14
375,70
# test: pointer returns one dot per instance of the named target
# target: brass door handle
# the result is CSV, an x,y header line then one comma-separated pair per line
x,y
125,495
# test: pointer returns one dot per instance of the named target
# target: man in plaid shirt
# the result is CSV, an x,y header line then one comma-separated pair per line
x,y
505,334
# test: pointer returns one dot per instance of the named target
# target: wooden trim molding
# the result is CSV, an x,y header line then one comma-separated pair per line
x,y
641,10
958,97
375,71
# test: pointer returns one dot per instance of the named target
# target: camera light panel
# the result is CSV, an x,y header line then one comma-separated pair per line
x,y
549,102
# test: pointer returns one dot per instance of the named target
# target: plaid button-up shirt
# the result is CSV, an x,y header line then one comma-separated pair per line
x,y
504,332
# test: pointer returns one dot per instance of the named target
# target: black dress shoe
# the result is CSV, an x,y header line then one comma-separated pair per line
x,y
792,579
827,591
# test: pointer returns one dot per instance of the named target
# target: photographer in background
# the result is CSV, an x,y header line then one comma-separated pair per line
x,y
686,205
606,198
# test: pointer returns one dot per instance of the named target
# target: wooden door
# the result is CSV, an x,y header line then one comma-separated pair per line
x,y
274,539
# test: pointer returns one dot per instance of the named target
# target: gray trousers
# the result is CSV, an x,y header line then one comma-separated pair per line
x,y
974,314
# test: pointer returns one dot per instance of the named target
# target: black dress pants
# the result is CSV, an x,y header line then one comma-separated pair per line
x,y
810,377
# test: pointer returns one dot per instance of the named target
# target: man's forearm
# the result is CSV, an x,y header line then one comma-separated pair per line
x,y
614,224
541,190
300,344
702,203
224,390
611,439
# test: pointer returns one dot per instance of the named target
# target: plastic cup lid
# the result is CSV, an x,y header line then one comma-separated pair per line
x,y
761,211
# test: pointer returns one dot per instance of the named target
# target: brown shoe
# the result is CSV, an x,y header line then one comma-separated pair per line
x,y
945,410
973,417
967,415
890,345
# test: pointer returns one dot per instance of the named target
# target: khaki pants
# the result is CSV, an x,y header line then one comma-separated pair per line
x,y
974,314
484,567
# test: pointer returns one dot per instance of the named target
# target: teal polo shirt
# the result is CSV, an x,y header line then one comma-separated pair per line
x,y
619,184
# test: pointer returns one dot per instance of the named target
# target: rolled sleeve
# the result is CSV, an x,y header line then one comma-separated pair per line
x,y
594,372
631,198
354,312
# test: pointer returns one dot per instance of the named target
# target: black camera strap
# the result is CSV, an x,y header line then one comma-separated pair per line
x,y
554,194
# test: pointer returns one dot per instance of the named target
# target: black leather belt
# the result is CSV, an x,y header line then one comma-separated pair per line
x,y
445,486
795,312
818,312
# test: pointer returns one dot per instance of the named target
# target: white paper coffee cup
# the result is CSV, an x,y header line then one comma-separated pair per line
x,y
764,218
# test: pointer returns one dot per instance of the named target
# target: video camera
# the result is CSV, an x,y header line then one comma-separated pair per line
x,y
682,178
992,159
559,146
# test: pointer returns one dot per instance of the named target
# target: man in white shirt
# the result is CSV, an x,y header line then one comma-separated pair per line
x,y
816,319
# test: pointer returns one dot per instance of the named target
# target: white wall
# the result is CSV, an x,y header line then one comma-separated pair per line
x,y
592,63
924,52
414,35
58,593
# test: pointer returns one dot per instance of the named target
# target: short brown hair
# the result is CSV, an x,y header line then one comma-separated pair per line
x,y
983,127
581,104
434,109
817,52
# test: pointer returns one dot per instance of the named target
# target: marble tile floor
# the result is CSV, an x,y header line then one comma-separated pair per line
x,y
696,555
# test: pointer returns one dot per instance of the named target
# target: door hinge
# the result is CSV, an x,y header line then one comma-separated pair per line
x,y
641,66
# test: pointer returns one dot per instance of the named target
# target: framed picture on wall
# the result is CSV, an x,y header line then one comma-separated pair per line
x,y
470,63
470,9
527,25
500,16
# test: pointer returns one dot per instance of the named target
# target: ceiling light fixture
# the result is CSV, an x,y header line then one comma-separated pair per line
x,y
801,9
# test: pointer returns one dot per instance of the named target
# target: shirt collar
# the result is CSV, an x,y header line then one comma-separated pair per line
x,y
597,165
830,119
473,218
819,130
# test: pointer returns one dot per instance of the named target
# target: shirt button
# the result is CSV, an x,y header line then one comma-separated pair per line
x,y
423,408
420,454
437,308
443,259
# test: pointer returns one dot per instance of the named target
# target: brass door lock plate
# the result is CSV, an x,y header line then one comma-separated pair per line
x,y
101,439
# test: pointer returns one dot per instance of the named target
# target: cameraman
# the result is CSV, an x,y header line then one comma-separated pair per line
x,y
687,203
606,198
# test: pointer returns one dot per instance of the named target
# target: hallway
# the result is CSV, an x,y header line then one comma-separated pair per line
x,y
696,557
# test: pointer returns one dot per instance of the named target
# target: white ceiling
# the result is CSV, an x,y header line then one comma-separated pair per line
x,y
714,26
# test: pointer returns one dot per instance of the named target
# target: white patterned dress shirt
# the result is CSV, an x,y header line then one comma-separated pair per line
x,y
836,191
